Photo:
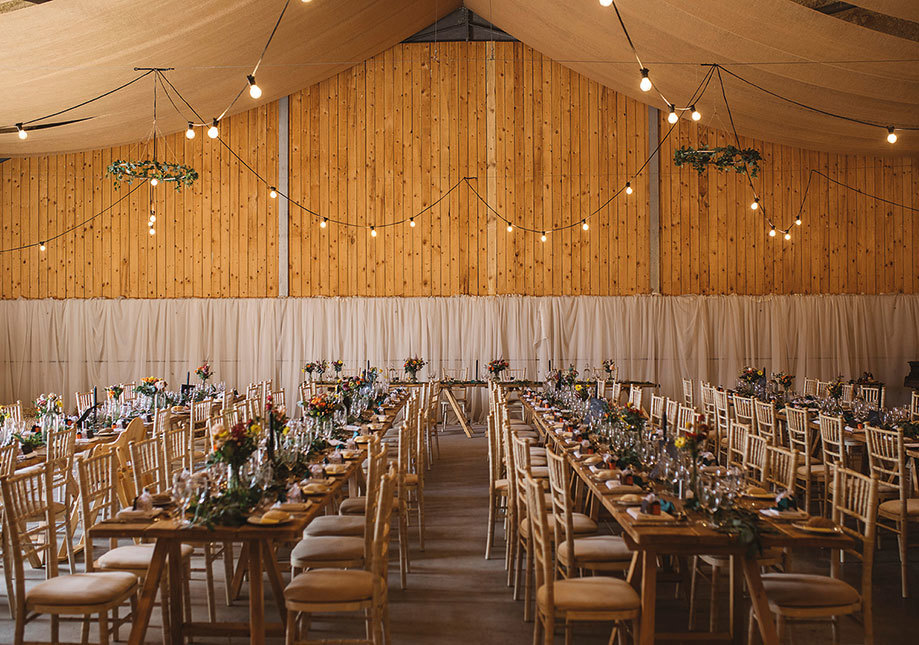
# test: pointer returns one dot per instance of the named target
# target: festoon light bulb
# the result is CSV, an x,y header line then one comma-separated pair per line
x,y
645,84
695,113
411,222
212,131
254,90
754,204
891,135
324,222
542,238
373,232
584,225
628,188
787,235
606,3
772,231
22,131
672,115
190,132
510,227
273,193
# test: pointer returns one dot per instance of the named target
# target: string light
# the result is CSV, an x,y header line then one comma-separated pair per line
x,y
373,232
324,222
152,231
798,221
212,131
154,181
41,246
695,113
152,218
645,84
411,222
190,132
273,193
772,231
254,90
510,228
584,225
787,235
891,135
628,188
672,116
755,204
606,3
22,131
543,237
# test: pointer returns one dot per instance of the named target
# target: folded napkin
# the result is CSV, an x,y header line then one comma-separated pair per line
x,y
130,514
621,489
635,512
784,515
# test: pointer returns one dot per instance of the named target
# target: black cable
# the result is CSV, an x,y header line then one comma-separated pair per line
x,y
625,31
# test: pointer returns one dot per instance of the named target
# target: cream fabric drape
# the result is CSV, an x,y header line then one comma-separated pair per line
x,y
70,345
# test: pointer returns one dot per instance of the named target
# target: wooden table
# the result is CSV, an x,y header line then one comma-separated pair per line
x,y
257,557
692,538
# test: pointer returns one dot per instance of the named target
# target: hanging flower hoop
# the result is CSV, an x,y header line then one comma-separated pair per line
x,y
722,158
146,170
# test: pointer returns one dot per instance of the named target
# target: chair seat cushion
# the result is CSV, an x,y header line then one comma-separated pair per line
x,y
538,462
539,472
537,450
82,589
805,590
818,471
134,556
352,525
597,548
891,508
327,548
599,593
330,585
766,558
410,479
501,484
353,506
580,523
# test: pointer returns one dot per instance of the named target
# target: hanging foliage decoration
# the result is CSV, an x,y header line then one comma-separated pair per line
x,y
722,158
128,171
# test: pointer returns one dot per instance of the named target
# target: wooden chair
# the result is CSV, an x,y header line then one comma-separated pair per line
x,y
597,598
657,410
28,495
781,468
754,458
84,401
7,467
737,443
810,386
723,425
808,597
887,460
685,419
348,590
635,395
146,465
688,393
832,439
873,395
615,394
497,484
744,413
14,410
279,399
766,425
823,389
128,395
708,402
810,474
672,408
914,406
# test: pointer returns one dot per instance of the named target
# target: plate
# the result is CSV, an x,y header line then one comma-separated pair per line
x,y
257,521
336,469
815,529
364,438
766,495
314,489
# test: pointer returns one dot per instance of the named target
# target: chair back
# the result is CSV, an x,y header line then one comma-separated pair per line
x,y
541,536
887,460
848,392
743,411
754,458
800,435
376,468
657,410
84,401
279,398
175,458
831,438
128,395
914,406
378,560
855,499
871,394
708,401
14,410
559,485
688,392
98,480
672,407
810,386
145,462
162,419
8,459
823,389
635,394
781,468
765,421
685,419
737,443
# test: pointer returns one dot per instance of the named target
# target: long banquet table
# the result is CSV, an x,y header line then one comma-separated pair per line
x,y
689,538
257,557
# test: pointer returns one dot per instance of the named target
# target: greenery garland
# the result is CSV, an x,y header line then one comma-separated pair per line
x,y
127,171
721,157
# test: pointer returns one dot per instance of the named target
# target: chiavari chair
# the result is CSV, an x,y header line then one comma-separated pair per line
x,y
809,597
800,438
162,419
723,423
26,496
635,395
688,399
616,392
522,563
737,443
781,468
146,463
497,484
708,402
914,406
128,395
887,460
657,410
672,408
848,393
305,391
14,410
279,398
597,598
7,467
330,590
766,424
98,479
823,389
84,401
743,411
810,386
832,440
872,395
754,458
686,417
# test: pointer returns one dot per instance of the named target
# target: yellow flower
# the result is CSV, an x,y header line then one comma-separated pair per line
x,y
679,442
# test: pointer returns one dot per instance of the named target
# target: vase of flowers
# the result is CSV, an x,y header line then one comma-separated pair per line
x,y
609,366
49,409
691,442
321,408
337,366
204,372
412,366
150,387
835,387
497,367
750,379
234,447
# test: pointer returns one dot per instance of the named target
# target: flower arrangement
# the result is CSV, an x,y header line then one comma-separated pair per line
x,y
752,375
127,171
347,387
633,418
609,366
721,157
582,390
29,441
867,378
234,446
372,374
150,386
114,391
337,366
49,404
204,372
321,407
911,429
413,365
497,366
834,388
783,380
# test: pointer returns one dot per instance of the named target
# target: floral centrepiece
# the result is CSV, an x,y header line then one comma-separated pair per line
x,y
150,386
412,366
337,366
609,366
497,366
834,388
114,391
783,381
48,405
234,447
321,407
751,378
204,372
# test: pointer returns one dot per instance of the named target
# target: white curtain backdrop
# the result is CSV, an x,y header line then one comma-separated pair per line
x,y
66,346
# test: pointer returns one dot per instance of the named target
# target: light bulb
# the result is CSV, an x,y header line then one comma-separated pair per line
x,y
798,221
373,232
411,222
22,131
212,131
149,223
628,188
273,193
152,218
543,237
755,204
606,3
324,222
154,181
190,132
787,235
695,113
254,90
584,225
152,231
645,84
672,116
41,246
307,1
772,231
891,135
510,228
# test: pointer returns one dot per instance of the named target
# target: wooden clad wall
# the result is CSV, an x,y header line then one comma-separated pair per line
x,y
389,137
217,238
713,243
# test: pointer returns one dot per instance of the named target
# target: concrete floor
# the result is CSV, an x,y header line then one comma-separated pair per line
x,y
455,596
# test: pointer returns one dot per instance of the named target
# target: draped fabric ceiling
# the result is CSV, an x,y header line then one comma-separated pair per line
x,y
61,52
